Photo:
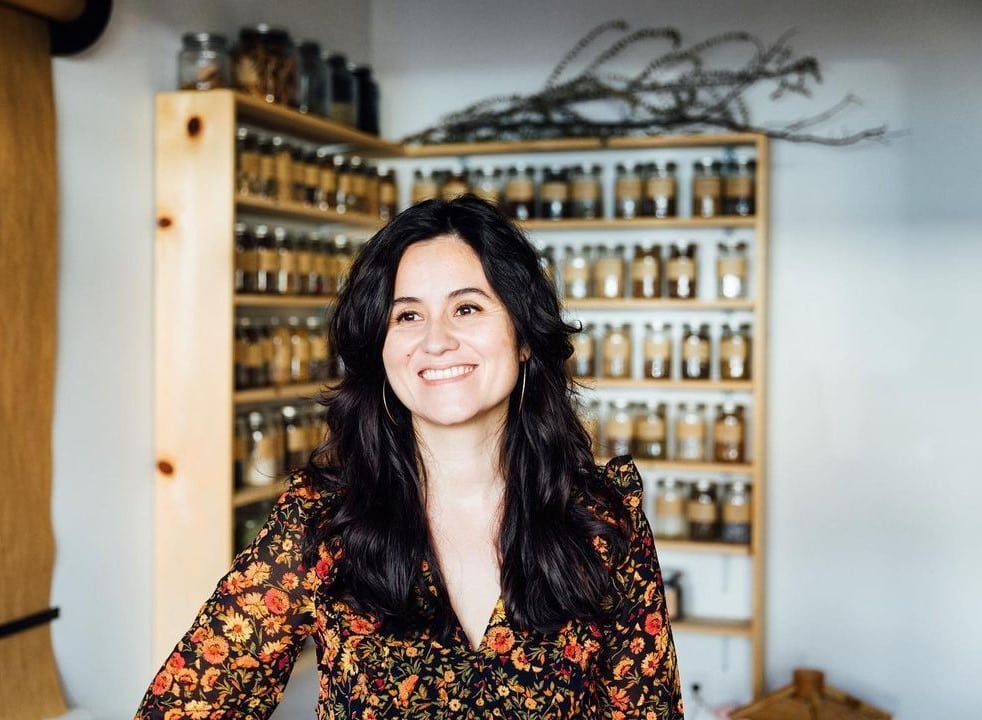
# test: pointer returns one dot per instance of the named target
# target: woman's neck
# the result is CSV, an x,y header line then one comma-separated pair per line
x,y
462,464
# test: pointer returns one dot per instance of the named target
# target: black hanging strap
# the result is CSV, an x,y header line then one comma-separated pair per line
x,y
26,623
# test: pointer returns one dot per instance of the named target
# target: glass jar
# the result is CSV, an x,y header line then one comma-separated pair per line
x,y
344,198
265,64
547,261
240,348
312,95
576,273
734,353
696,352
454,186
670,500
295,438
608,272
520,193
267,261
322,265
303,252
342,84
486,184
264,458
554,194
298,173
204,62
690,433
424,186
286,277
283,157
646,272
739,197
707,188
586,193
617,352
619,428
246,261
327,180
316,426
627,192
589,415
583,362
358,186
268,184
702,511
247,176
279,366
673,596
728,434
309,189
299,351
682,272
660,190
366,100
319,350
240,449
265,349
254,360
731,270
650,440
343,258
737,514
388,194
657,351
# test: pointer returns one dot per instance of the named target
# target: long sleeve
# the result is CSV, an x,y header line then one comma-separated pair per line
x,y
237,656
640,675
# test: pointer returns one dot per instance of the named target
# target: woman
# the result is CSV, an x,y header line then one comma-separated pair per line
x,y
451,546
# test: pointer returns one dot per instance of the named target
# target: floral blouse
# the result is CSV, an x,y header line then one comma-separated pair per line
x,y
235,660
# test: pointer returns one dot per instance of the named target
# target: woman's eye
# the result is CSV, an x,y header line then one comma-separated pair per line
x,y
406,315
468,309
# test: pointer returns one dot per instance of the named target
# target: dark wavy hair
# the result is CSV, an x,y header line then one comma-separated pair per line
x,y
371,468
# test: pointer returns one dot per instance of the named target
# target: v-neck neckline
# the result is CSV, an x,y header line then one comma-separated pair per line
x,y
462,634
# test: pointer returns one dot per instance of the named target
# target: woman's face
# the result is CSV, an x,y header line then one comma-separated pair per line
x,y
450,351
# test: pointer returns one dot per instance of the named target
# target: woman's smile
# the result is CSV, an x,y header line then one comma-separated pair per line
x,y
441,375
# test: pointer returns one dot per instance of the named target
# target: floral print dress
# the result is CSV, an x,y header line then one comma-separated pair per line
x,y
235,660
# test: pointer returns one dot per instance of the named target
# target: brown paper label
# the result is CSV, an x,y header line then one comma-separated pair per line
x,y
740,186
696,350
703,187
657,349
267,167
660,187
732,266
555,192
669,507
343,113
345,183
690,431
425,190
701,512
328,180
583,345
241,351
453,189
644,268
577,272
736,514
681,267
249,163
247,260
311,175
387,194
268,260
618,429
487,194
301,350
728,433
521,190
628,188
240,447
651,429
253,355
288,262
268,448
733,348
299,173
617,347
318,347
305,262
585,190
296,438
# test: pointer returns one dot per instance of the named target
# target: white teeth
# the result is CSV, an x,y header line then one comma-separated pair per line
x,y
447,373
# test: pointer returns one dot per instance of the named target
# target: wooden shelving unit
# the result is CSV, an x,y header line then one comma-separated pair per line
x,y
702,385
283,301
635,304
280,392
298,211
639,224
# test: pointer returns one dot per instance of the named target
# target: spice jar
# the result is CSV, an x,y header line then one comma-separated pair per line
x,y
247,176
358,185
702,511
343,258
342,83
312,95
608,272
303,251
316,426
295,438
486,184
660,190
554,194
424,186
576,273
657,352
731,270
728,433
265,455
696,351
298,173
283,157
582,363
240,449
245,260
388,194
738,187
366,100
268,183
646,272
520,193
619,428
670,500
299,352
682,272
617,352
707,188
586,194
204,62
267,261
265,64
627,192
736,514
322,265
454,186
650,439
690,432
734,353
327,191
319,350
286,277
246,364
280,363
344,198
673,596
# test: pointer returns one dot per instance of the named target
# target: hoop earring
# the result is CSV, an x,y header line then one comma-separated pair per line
x,y
386,405
521,397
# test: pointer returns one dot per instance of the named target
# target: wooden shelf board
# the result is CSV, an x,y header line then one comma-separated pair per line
x,y
641,142
725,221
248,495
310,127
299,211
705,385
656,304
283,301
283,392
679,466
712,548
714,626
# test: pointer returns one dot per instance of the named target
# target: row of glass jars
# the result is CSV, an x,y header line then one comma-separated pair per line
x,y
276,261
605,272
610,354
641,429
278,168
273,441
273,352
703,510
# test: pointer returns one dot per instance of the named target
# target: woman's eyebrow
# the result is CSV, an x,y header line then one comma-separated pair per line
x,y
406,299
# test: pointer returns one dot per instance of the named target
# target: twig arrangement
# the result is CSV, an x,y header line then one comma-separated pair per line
x,y
676,91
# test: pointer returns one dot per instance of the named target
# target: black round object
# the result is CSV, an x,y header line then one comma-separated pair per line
x,y
82,32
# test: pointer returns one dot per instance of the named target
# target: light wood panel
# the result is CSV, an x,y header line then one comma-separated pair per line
x,y
299,211
656,304
279,392
645,223
59,10
283,301
710,548
700,385
711,626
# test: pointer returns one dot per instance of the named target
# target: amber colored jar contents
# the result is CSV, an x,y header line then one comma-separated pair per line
x,y
696,352
486,184
283,158
370,206
323,266
454,186
520,193
627,192
246,260
554,195
424,186
728,434
388,194
619,428
357,187
298,171
650,439
286,276
737,513
702,511
734,353
690,432
311,177
268,184
265,64
589,415
299,351
739,196
670,501
279,366
295,438
646,272
616,352
576,273
343,258
267,261
707,188
657,352
583,362
658,198
264,456
608,272
240,448
344,198
247,162
319,350
586,193
303,250
682,271
254,370
327,192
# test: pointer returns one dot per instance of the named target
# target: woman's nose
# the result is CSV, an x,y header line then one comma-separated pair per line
x,y
439,336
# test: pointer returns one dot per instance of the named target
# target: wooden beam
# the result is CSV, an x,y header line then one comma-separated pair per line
x,y
58,10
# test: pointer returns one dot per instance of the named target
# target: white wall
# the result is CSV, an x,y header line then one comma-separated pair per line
x,y
874,296
103,431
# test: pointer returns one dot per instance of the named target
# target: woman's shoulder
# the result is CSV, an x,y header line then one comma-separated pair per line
x,y
621,474
616,482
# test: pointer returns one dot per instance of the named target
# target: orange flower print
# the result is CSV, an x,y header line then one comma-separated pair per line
x,y
234,583
573,652
650,664
637,644
187,679
361,626
257,573
277,601
290,581
214,650
209,677
237,628
245,661
252,604
622,668
161,683
653,624
501,640
197,710
519,659
174,714
406,688
619,697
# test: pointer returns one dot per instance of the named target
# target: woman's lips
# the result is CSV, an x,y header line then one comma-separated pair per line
x,y
454,372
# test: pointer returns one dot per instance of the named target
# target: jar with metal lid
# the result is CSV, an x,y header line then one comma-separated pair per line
x,y
247,176
327,185
554,194
660,191
298,174
486,184
358,187
366,100
707,188
204,62
312,95
343,258
520,193
682,272
286,276
731,270
299,351
295,438
245,259
608,272
670,501
240,449
264,64
627,192
577,283
583,362
454,186
388,193
319,350
268,182
256,363
616,352
589,414
311,165
657,351
264,459
734,353
303,251
267,260
586,193
646,272
737,514
283,157
728,433
342,84
344,199
690,432
619,428
650,438
322,265
280,363
702,511
240,349
739,197
696,352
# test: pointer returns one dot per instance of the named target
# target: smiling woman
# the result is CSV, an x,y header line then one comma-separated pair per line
x,y
451,546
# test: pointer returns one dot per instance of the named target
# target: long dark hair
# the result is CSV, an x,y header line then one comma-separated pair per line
x,y
370,466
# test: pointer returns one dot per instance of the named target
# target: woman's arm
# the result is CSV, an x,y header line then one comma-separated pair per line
x,y
237,656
